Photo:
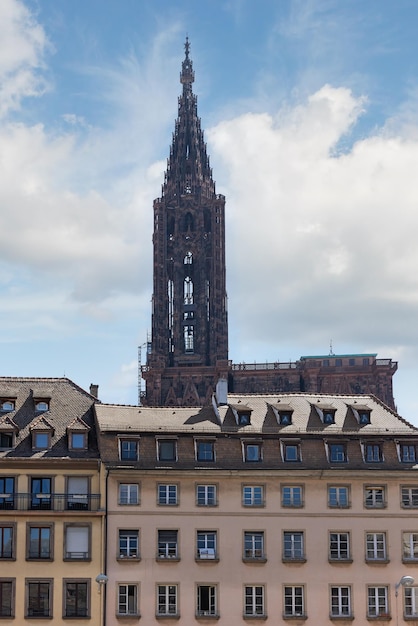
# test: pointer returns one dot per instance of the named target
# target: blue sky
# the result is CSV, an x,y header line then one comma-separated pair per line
x,y
310,113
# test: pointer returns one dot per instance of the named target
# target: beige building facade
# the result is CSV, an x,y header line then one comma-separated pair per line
x,y
287,508
51,516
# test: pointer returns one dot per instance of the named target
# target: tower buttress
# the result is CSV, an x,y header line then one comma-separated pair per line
x,y
189,346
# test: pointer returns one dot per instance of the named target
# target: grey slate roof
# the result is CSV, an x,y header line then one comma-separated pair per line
x,y
68,405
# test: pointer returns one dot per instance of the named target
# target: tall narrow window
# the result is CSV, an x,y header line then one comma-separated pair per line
x,y
188,259
340,601
254,601
41,493
411,602
293,548
76,598
76,542
78,493
128,544
293,601
377,602
206,601
7,492
167,600
376,547
39,542
206,544
39,598
188,290
339,546
410,546
254,546
127,600
6,597
188,338
167,544
6,541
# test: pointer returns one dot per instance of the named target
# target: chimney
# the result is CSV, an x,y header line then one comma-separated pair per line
x,y
222,391
94,390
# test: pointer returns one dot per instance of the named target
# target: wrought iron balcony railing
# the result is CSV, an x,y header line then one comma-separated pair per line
x,y
49,501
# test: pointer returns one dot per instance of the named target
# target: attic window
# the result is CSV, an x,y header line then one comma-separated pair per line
x,y
78,441
326,413
6,440
7,405
285,418
362,414
244,418
41,440
41,406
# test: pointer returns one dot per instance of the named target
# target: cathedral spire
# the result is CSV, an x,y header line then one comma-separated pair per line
x,y
188,169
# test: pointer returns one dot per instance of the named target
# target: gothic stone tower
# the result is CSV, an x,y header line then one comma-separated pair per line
x,y
189,345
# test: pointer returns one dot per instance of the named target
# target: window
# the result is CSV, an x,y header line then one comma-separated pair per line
x,y
410,546
167,450
38,598
252,452
40,542
41,489
188,335
340,601
409,497
205,451
41,440
407,453
293,546
7,406
6,440
253,495
76,598
338,362
292,495
254,545
166,600
7,491
339,546
127,599
291,452
78,493
294,605
254,601
376,547
374,497
76,542
243,417
337,452
377,602
364,416
206,601
188,259
128,493
128,449
41,406
351,361
206,544
285,418
167,494
206,495
7,543
338,496
167,544
188,290
411,602
373,453
128,544
7,592
78,441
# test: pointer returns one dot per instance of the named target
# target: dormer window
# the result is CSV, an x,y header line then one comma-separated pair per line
x,y
41,440
283,413
7,405
285,418
244,418
41,406
77,433
78,441
326,414
362,414
6,441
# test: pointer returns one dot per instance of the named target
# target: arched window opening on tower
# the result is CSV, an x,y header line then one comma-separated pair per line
x,y
188,290
189,338
170,293
188,259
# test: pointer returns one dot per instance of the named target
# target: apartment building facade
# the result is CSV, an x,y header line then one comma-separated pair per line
x,y
285,508
51,520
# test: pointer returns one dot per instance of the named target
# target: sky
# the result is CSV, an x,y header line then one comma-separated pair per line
x,y
310,111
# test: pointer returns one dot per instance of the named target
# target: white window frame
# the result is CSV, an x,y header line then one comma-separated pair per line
x,y
168,547
339,546
129,539
340,601
206,544
410,602
335,492
375,496
377,601
254,601
409,496
253,495
292,496
376,546
167,494
293,545
123,599
128,494
210,608
293,601
254,545
410,546
167,600
203,493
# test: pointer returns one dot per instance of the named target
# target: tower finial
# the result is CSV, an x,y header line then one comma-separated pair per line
x,y
187,73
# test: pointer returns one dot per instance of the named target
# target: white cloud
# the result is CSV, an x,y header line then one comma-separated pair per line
x,y
321,244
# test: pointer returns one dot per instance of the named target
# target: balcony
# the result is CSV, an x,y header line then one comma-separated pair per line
x,y
49,502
